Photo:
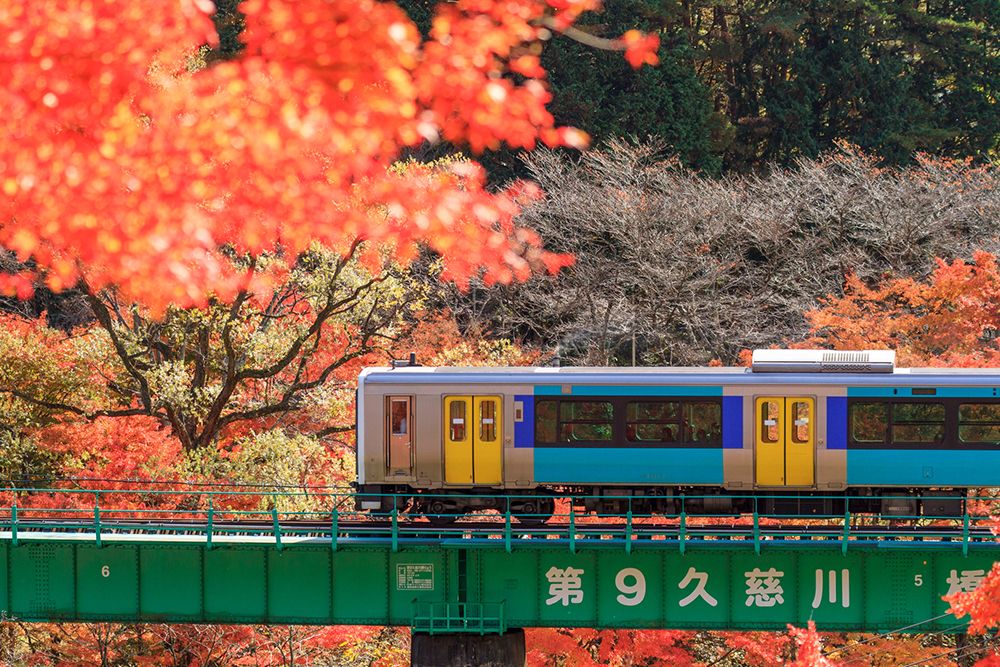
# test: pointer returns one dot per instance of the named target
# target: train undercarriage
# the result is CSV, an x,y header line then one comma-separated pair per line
x,y
535,506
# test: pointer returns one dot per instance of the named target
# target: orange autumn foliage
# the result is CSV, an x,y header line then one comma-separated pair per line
x,y
154,645
436,340
951,319
982,605
808,647
124,162
616,648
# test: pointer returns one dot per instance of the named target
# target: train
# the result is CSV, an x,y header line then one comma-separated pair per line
x,y
796,432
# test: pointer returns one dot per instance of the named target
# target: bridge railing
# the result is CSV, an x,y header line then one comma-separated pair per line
x,y
331,516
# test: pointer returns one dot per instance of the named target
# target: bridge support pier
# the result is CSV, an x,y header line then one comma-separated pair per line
x,y
468,650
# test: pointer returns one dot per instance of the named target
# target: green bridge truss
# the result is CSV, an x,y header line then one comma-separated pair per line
x,y
461,579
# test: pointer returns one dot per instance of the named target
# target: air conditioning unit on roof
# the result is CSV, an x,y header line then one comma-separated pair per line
x,y
823,361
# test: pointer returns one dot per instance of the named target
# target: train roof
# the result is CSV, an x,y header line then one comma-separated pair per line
x,y
688,375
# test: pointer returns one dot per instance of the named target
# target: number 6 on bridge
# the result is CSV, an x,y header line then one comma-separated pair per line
x,y
637,589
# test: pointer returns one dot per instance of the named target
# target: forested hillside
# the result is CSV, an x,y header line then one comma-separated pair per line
x,y
743,85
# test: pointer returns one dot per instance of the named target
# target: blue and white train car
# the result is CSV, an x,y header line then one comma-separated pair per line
x,y
800,428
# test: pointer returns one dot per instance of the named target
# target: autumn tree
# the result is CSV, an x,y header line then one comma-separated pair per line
x,y
121,166
437,340
655,648
40,361
227,218
199,370
950,319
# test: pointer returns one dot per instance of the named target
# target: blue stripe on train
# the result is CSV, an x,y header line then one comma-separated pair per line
x,y
628,465
836,422
955,467
732,422
524,430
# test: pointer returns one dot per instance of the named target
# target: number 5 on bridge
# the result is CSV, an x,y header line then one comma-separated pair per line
x,y
632,593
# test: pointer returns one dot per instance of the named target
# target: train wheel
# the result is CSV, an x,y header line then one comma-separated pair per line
x,y
533,511
439,512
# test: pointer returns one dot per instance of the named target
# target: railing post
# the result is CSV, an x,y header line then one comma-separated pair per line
x,y
756,530
277,526
572,530
965,532
97,518
208,524
682,531
13,524
847,526
628,530
506,528
395,529
334,529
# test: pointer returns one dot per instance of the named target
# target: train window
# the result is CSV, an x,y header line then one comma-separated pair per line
x,y
703,422
918,422
869,421
487,421
800,422
546,424
653,421
652,411
573,421
979,422
576,432
585,411
456,421
585,421
398,417
652,432
769,413
979,413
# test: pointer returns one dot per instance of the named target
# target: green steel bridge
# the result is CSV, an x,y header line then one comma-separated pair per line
x,y
189,556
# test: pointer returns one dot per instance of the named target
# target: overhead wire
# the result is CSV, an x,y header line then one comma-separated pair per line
x,y
883,635
962,652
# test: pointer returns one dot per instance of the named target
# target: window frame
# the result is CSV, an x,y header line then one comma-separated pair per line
x,y
677,421
918,422
959,423
481,424
951,423
620,422
560,421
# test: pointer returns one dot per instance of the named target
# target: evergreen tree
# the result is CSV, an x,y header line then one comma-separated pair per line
x,y
744,84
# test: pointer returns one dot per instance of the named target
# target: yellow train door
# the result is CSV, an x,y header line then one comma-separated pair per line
x,y
785,440
487,449
473,439
457,440
800,445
